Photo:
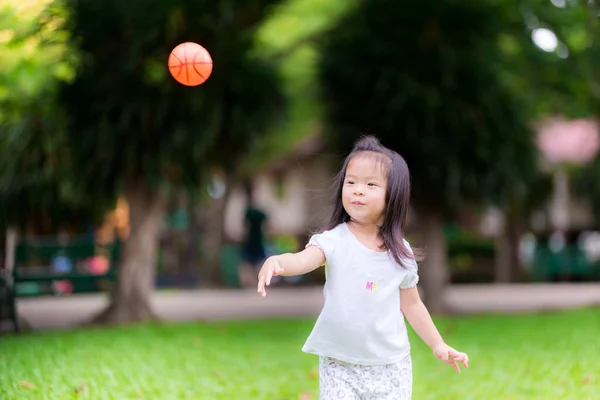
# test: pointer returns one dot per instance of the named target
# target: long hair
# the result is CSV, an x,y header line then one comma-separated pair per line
x,y
397,198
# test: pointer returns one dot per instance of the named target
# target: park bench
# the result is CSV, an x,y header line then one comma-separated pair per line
x,y
41,267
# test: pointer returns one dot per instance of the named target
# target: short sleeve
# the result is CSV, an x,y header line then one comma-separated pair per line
x,y
412,272
323,241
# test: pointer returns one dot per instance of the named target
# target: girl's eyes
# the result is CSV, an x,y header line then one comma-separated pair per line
x,y
371,184
368,184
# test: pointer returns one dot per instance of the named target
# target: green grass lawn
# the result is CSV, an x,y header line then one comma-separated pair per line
x,y
541,357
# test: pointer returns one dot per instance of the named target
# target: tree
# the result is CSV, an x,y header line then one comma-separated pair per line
x,y
563,80
555,78
587,181
516,211
587,185
426,77
134,131
33,148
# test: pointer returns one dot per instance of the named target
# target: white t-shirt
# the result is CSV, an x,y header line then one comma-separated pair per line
x,y
361,322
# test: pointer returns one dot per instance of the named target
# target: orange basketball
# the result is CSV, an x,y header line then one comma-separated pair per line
x,y
190,64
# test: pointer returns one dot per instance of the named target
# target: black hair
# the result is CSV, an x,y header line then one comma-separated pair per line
x,y
397,197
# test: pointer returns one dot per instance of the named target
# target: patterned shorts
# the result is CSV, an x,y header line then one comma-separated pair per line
x,y
341,380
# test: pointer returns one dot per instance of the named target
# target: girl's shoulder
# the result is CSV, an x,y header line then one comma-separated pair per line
x,y
335,232
328,239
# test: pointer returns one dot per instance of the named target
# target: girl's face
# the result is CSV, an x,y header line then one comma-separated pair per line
x,y
365,186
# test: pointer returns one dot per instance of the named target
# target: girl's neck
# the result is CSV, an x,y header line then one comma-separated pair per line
x,y
367,234
364,229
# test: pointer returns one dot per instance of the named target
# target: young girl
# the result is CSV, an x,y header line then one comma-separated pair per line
x,y
360,335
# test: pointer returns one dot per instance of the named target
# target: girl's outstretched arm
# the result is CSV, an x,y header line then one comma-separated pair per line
x,y
289,264
419,318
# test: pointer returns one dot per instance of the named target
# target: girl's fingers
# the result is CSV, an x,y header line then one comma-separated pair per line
x,y
261,286
465,362
457,355
264,279
463,359
456,367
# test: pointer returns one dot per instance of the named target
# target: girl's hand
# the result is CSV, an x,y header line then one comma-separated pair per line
x,y
451,356
269,269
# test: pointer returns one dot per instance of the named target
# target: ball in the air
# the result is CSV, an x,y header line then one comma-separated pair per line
x,y
190,64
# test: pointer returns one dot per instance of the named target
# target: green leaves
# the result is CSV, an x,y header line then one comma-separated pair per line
x,y
34,158
555,81
34,58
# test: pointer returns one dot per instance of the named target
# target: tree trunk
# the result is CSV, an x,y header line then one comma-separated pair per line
x,y
434,274
191,257
213,235
130,300
502,272
508,262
